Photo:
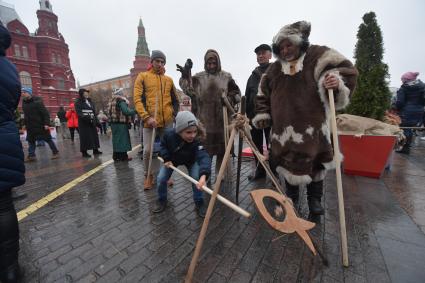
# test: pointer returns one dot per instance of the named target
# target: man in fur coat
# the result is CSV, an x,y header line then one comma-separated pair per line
x,y
293,99
205,89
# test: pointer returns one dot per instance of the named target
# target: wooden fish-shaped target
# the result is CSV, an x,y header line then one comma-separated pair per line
x,y
292,223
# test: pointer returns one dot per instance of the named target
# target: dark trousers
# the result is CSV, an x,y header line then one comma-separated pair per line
x,y
72,131
31,146
103,128
257,138
9,231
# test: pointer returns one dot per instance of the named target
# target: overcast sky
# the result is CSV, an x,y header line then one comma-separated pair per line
x,y
102,34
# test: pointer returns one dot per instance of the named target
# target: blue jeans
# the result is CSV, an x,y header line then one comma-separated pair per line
x,y
165,174
31,147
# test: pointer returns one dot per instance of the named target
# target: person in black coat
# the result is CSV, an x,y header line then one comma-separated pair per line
x,y
12,168
37,123
87,122
264,54
410,104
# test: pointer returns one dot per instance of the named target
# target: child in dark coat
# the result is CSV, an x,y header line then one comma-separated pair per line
x,y
182,146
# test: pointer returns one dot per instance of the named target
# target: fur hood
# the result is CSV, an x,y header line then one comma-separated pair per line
x,y
211,53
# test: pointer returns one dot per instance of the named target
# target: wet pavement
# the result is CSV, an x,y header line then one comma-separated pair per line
x,y
102,230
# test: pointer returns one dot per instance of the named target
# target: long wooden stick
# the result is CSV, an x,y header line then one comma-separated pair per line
x,y
152,138
222,199
200,241
342,227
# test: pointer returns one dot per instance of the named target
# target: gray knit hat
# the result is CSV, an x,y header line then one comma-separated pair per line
x,y
185,119
158,54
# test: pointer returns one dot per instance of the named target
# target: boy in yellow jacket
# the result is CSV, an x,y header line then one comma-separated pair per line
x,y
156,102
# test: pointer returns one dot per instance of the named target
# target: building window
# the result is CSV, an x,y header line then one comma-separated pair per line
x,y
59,59
53,58
17,50
61,83
25,52
25,78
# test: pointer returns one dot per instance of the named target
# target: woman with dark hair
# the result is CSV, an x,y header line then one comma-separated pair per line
x,y
12,168
87,122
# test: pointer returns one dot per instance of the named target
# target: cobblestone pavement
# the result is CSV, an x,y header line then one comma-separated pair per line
x,y
102,229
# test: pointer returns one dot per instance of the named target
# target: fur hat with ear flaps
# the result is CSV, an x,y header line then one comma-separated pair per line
x,y
297,33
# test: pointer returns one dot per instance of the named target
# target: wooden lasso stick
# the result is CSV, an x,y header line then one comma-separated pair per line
x,y
337,159
202,234
222,199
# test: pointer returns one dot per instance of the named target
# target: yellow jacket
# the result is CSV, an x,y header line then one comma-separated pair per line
x,y
147,87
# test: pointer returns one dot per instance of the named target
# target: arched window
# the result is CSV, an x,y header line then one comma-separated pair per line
x,y
17,50
25,78
59,59
25,52
61,83
53,58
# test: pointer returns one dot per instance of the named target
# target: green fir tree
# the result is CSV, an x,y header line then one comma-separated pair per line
x,y
372,95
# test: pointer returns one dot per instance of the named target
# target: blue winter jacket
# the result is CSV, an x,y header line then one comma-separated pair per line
x,y
176,150
411,102
12,168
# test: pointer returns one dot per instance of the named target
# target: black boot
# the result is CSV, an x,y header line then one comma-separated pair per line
x,y
11,274
258,174
97,151
314,196
85,154
201,209
160,206
293,193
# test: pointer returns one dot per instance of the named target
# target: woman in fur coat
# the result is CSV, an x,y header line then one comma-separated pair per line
x,y
293,99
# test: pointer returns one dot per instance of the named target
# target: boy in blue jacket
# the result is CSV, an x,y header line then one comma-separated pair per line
x,y
181,146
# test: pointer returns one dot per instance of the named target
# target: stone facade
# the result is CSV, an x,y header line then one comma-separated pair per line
x,y
42,58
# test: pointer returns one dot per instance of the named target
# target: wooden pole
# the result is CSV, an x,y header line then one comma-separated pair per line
x,y
200,241
152,139
222,199
342,227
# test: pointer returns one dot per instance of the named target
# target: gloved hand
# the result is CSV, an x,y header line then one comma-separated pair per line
x,y
261,124
186,69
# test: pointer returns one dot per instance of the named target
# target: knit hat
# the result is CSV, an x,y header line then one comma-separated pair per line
x,y
184,120
296,33
27,90
158,54
409,76
264,47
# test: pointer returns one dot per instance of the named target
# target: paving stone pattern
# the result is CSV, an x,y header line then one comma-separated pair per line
x,y
102,230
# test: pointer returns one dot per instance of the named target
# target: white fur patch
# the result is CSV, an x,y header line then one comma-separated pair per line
x,y
288,134
286,66
310,130
343,96
329,57
326,132
332,164
293,179
259,117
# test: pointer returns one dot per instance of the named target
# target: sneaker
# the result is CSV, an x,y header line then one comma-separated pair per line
x,y
201,209
55,155
30,159
422,138
160,207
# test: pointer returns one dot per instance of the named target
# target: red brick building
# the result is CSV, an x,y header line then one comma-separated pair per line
x,y
42,57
